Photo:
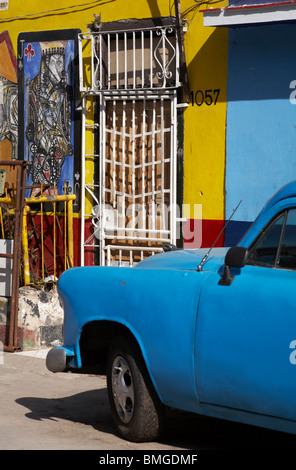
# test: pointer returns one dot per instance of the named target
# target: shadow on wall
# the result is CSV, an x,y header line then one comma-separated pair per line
x,y
254,69
261,62
155,12
62,11
265,56
258,64
261,119
208,69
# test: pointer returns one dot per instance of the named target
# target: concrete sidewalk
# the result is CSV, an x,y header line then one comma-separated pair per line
x,y
41,410
36,353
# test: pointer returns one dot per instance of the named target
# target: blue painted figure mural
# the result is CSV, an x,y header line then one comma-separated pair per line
x,y
48,100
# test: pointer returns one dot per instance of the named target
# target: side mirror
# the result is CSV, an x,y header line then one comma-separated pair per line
x,y
236,257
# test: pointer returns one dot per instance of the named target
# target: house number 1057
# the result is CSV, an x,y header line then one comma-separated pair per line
x,y
207,97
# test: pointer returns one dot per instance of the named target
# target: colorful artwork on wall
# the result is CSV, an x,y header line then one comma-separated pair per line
x,y
48,124
8,105
8,95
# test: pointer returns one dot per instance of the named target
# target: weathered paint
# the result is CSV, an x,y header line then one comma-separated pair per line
x,y
39,321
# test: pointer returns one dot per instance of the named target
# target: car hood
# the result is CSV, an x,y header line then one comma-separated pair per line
x,y
184,259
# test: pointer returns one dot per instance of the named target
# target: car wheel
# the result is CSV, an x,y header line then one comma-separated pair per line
x,y
136,409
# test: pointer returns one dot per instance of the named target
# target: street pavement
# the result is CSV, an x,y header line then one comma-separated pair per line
x,y
40,410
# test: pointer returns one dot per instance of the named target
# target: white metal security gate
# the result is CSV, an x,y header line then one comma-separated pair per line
x,y
133,194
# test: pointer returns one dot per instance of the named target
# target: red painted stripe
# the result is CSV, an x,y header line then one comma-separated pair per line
x,y
203,233
196,234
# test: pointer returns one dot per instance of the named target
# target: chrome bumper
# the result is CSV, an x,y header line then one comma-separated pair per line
x,y
56,360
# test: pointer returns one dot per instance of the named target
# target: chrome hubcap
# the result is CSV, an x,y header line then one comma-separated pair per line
x,y
122,389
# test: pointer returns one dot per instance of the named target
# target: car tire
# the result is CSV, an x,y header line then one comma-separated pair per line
x,y
136,409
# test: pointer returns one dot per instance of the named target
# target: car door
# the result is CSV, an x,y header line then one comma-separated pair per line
x,y
246,331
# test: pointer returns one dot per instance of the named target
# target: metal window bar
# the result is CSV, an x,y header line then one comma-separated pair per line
x,y
147,169
128,68
141,59
137,148
90,191
130,250
173,173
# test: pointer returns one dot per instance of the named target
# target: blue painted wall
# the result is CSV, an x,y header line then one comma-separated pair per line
x,y
261,120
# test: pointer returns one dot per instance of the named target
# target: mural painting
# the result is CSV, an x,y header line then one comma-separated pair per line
x,y
49,138
47,97
8,114
8,105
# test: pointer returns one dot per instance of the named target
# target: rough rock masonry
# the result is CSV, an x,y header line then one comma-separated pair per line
x,y
40,318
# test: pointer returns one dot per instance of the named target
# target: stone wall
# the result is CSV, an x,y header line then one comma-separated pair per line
x,y
40,318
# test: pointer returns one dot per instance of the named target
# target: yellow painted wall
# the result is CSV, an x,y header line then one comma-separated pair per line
x,y
206,54
56,14
204,128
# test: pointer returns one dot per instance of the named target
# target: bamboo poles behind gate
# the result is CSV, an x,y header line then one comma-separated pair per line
x,y
67,235
14,212
57,232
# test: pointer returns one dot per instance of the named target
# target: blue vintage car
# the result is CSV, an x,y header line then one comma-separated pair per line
x,y
210,332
